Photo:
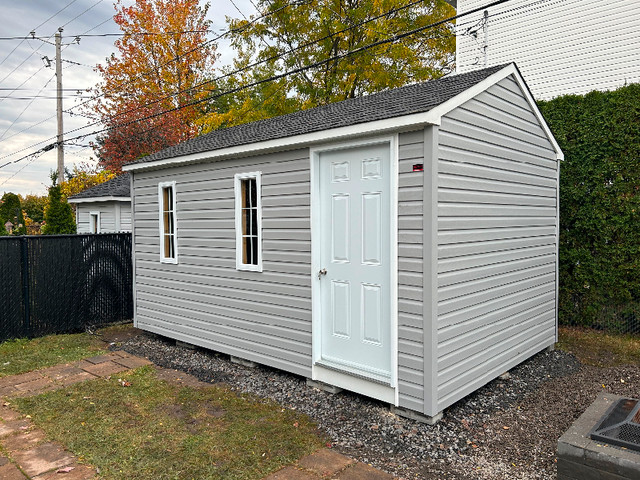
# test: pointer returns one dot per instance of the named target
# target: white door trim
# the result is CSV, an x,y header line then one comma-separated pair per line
x,y
388,393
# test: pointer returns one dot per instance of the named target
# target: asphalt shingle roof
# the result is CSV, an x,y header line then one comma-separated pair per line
x,y
397,102
116,187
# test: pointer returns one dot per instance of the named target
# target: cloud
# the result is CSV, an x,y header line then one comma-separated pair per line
x,y
25,67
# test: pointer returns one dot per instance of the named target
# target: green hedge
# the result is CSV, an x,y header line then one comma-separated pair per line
x,y
599,134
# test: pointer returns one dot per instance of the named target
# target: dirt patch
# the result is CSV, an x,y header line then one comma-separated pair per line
x,y
119,334
215,411
177,377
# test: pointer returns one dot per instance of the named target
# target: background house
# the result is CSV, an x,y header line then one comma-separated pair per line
x,y
104,208
560,46
401,245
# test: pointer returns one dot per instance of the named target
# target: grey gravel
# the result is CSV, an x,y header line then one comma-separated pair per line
x,y
470,442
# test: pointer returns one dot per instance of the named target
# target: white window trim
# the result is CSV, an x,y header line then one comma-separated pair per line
x,y
97,214
238,209
161,186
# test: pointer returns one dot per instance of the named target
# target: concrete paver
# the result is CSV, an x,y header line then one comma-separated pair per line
x,y
78,472
13,426
360,471
291,473
42,458
100,359
10,472
325,462
104,369
132,362
23,440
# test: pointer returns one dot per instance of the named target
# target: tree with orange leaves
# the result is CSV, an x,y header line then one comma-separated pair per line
x,y
143,98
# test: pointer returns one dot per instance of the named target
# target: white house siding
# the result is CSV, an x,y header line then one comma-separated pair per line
x,y
561,47
496,240
107,216
125,216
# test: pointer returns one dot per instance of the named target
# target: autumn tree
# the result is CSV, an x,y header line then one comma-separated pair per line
x,y
82,177
11,211
294,36
146,87
33,207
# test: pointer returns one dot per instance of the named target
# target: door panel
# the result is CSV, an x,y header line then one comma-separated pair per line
x,y
354,206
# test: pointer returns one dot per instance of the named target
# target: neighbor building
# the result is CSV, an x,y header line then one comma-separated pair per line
x,y
104,208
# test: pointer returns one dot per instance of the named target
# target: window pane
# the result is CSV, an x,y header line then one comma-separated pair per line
x,y
254,250
246,250
246,222
167,246
253,192
254,221
243,194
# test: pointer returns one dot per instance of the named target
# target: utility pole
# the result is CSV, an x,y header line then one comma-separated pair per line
x,y
486,38
59,138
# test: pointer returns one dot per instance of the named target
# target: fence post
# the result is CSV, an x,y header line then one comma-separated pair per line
x,y
24,249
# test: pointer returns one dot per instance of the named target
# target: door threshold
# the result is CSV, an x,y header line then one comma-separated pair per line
x,y
354,383
356,372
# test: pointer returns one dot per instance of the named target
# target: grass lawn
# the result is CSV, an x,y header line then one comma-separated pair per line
x,y
593,347
23,355
155,429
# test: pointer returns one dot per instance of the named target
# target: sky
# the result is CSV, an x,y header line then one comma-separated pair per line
x,y
27,123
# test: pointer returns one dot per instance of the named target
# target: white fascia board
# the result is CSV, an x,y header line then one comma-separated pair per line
x,y
99,199
511,69
334,134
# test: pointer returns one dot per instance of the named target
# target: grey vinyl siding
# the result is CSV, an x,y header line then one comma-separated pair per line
x,y
263,317
107,216
496,269
410,272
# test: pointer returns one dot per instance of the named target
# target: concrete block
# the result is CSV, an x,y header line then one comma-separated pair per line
x,y
417,416
244,362
325,387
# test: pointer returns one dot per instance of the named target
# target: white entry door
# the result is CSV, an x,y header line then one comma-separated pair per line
x,y
354,208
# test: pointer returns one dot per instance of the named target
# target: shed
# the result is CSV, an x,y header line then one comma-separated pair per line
x,y
104,208
401,245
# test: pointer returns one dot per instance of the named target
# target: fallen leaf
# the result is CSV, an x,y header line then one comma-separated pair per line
x,y
506,428
296,424
65,470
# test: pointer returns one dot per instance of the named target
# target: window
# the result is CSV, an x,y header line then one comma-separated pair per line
x,y
94,222
248,222
168,240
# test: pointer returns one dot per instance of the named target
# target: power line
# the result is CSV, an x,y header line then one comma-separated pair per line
x,y
393,39
25,108
81,14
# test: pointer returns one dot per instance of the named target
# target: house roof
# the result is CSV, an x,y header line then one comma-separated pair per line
x,y
115,189
397,102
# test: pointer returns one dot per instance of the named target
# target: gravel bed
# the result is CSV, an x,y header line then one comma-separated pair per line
x,y
507,429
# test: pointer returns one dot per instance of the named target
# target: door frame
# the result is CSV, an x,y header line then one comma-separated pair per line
x,y
364,386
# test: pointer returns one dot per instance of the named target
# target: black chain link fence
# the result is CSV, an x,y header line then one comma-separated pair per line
x,y
64,283
621,318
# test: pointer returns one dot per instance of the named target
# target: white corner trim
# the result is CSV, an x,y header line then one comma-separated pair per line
x,y
99,199
164,259
237,178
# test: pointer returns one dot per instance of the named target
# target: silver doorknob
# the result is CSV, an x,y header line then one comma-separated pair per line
x,y
322,272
